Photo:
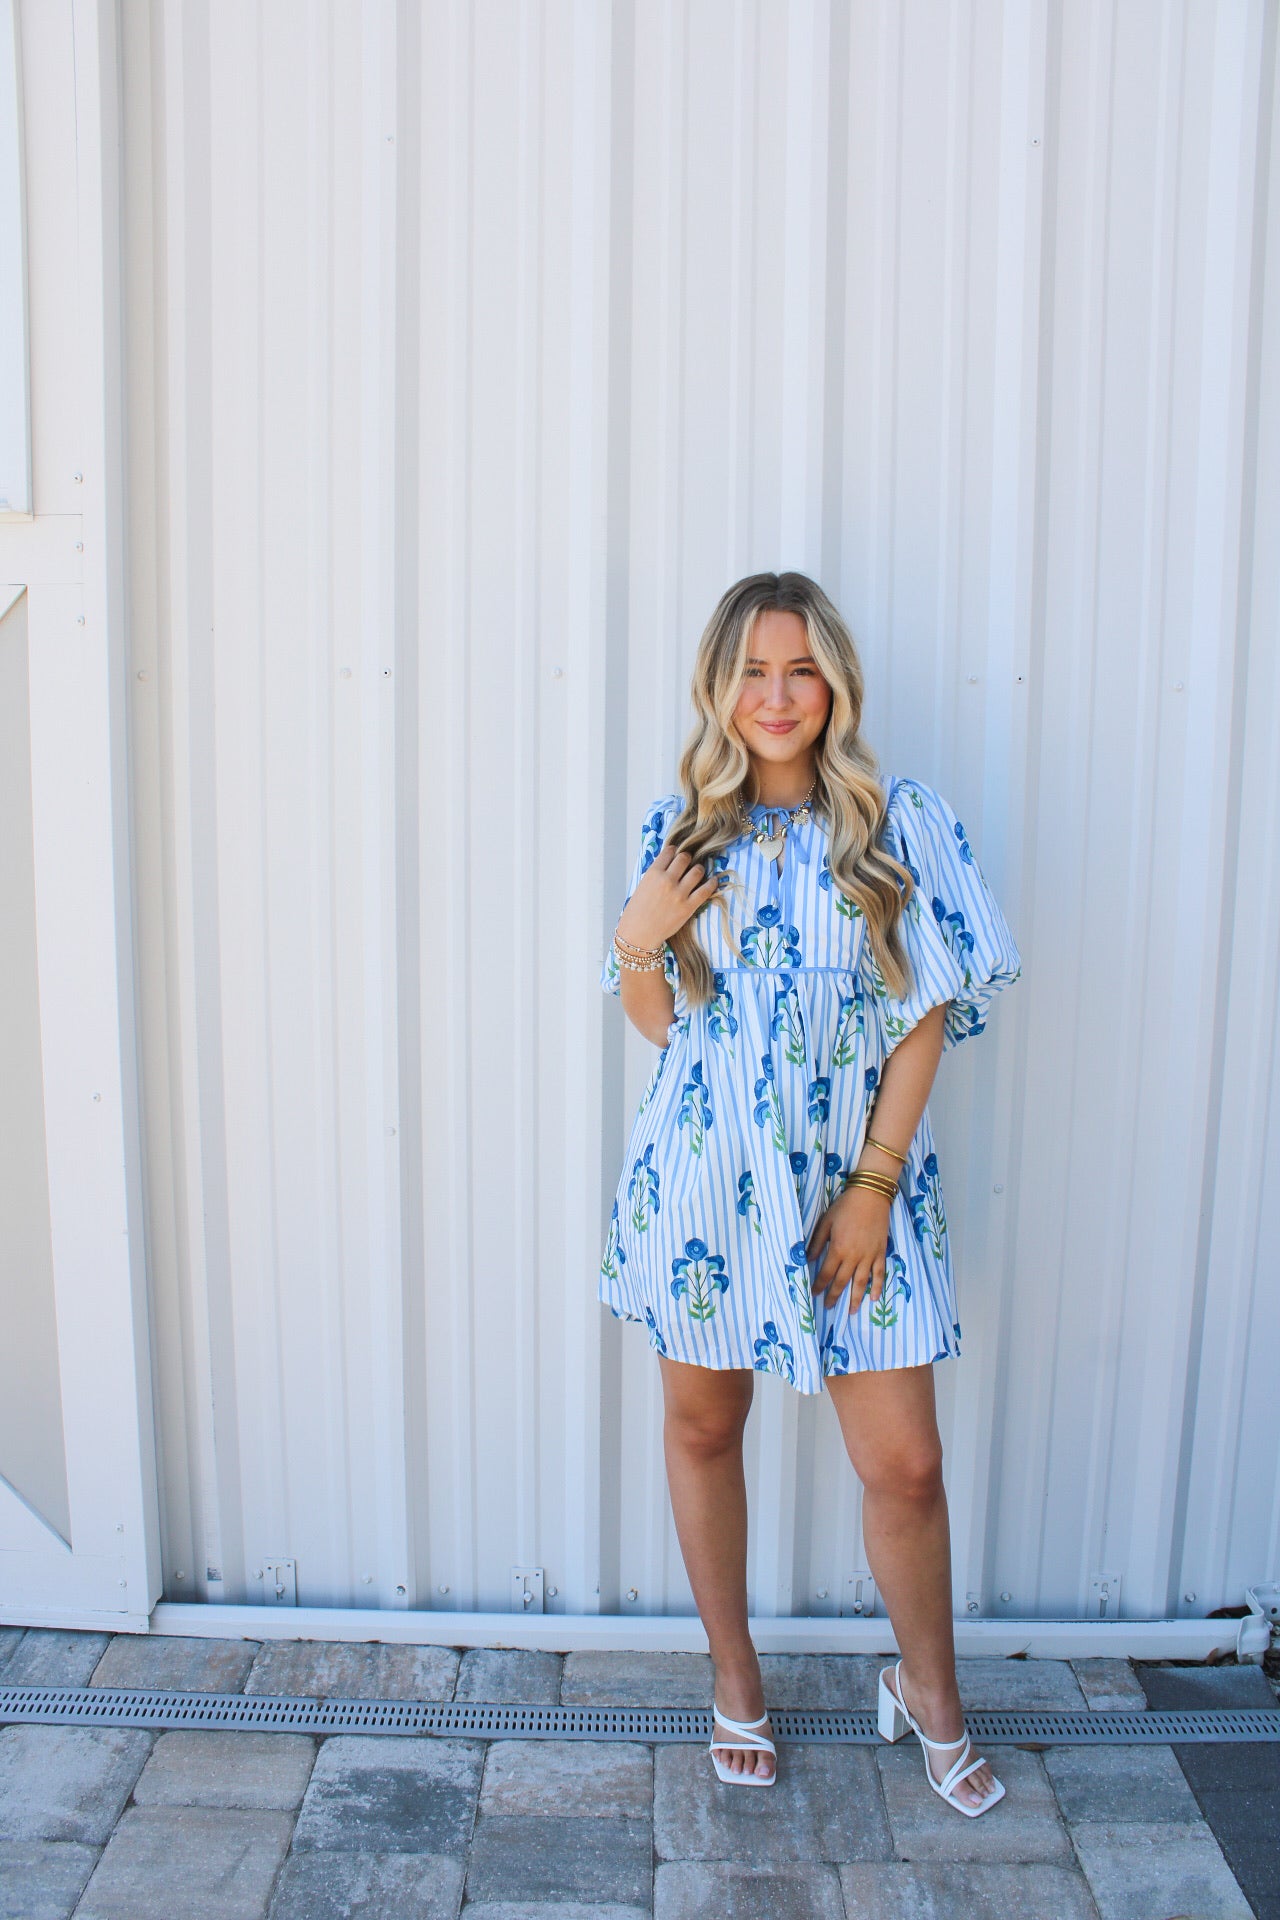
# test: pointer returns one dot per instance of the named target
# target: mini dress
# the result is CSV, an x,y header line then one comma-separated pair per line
x,y
757,1107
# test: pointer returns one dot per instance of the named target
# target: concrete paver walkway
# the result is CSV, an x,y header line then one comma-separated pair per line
x,y
107,1824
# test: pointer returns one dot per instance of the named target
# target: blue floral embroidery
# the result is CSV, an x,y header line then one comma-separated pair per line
x,y
773,1355
798,1281
927,1215
748,1205
847,1047
768,1107
848,909
897,1290
787,1021
699,1277
722,1022
655,1332
695,1108
835,1359
614,1258
642,1191
767,943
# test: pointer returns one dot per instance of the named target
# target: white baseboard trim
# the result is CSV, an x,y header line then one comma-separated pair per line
x,y
1188,1639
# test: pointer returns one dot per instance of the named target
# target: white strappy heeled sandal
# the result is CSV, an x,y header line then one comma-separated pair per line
x,y
894,1719
753,1742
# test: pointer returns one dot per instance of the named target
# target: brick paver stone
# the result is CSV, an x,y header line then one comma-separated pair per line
x,y
824,1805
1149,1871
360,1670
193,1767
42,1879
595,1779
1018,1684
393,1794
1024,1826
54,1657
67,1783
828,1682
554,1910
726,1890
175,1662
1109,1685
511,1675
369,1886
532,1858
602,1679
188,1863
939,1891
1120,1783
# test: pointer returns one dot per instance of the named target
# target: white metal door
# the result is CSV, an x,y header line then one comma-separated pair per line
x,y
79,1533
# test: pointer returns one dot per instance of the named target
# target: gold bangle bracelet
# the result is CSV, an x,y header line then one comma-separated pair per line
x,y
884,1149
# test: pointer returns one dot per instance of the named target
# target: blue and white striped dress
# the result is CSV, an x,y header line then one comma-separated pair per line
x,y
758,1103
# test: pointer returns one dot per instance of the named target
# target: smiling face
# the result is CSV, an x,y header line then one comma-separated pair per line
x,y
782,708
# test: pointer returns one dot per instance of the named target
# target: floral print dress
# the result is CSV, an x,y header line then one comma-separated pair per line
x,y
757,1107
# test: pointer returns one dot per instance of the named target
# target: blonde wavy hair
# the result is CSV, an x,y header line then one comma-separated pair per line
x,y
716,774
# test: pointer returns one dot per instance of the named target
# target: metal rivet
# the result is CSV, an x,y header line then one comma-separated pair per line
x,y
119,1526
399,1589
552,1592
633,1593
97,1096
79,619
822,1593
1006,1596
1188,1596
973,679
122,1583
1177,686
142,673
345,672
79,546
557,673
973,1606
78,478
443,1587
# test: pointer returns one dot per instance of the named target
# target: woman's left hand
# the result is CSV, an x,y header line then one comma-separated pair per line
x,y
855,1232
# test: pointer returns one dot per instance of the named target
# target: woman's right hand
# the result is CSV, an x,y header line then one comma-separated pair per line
x,y
670,891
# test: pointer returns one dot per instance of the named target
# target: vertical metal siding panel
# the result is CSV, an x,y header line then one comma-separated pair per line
x,y
651,260
1230,1519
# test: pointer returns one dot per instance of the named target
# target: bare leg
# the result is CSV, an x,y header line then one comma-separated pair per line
x,y
890,1428
705,1412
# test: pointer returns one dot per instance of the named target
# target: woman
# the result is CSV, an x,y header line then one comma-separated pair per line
x,y
780,1208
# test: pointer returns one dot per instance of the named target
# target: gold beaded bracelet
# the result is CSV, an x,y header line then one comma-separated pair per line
x,y
639,959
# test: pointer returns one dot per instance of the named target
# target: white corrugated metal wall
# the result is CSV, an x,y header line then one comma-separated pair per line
x,y
470,351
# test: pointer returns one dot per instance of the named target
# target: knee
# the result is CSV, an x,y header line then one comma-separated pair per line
x,y
705,1432
909,1472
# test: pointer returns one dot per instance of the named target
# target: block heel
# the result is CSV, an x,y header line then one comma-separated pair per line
x,y
892,1721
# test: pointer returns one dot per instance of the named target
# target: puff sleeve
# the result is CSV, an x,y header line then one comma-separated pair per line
x,y
958,941
653,833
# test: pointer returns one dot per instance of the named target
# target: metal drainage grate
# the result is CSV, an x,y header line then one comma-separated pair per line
x,y
139,1707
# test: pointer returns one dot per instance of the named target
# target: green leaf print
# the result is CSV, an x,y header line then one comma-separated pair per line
x,y
798,1284
642,1191
695,1108
883,1313
846,1051
927,1215
786,1021
614,1258
748,1205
